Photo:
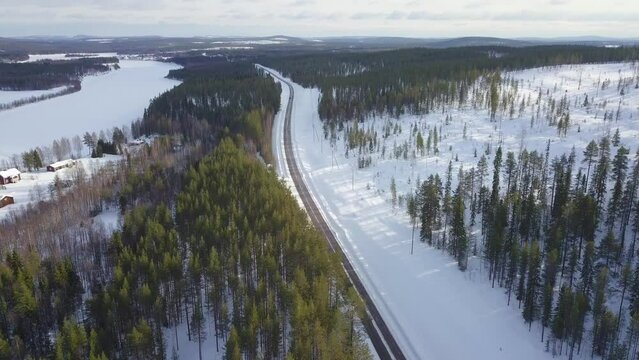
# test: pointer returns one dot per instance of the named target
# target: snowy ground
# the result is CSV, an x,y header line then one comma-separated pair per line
x,y
434,310
34,186
106,100
186,349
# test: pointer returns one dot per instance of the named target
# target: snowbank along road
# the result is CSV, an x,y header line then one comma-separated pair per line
x,y
379,333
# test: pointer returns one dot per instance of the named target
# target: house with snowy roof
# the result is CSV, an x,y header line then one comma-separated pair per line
x,y
61,165
6,200
9,176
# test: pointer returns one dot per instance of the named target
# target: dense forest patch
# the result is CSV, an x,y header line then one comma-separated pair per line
x,y
44,75
415,81
215,96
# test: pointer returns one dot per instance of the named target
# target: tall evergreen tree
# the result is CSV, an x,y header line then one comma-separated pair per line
x,y
531,306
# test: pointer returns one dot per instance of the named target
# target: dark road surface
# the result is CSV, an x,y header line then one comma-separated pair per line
x,y
378,331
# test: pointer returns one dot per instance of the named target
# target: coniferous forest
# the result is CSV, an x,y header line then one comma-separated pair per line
x,y
42,75
558,233
560,242
211,244
215,97
416,81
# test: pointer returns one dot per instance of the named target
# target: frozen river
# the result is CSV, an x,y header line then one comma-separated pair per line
x,y
112,99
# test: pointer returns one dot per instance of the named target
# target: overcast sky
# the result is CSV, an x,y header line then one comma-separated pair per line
x,y
311,18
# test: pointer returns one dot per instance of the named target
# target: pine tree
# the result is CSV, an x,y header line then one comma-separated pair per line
x,y
198,325
497,166
531,309
587,268
512,268
616,138
429,198
393,191
624,283
599,306
72,342
411,205
420,143
233,346
550,275
563,308
619,169
494,95
605,333
497,223
590,154
447,201
608,248
523,268
634,293
628,200
578,318
459,238
600,177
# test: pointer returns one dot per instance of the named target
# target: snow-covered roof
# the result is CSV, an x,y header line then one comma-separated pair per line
x,y
62,163
9,173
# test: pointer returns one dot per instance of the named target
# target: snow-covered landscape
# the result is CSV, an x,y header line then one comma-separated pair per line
x,y
434,310
313,180
112,99
35,186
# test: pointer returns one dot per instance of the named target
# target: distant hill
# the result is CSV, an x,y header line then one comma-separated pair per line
x,y
480,41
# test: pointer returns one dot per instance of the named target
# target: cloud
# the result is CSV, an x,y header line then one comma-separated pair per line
x,y
436,18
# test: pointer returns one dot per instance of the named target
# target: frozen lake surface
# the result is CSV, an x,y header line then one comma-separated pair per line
x,y
9,96
112,99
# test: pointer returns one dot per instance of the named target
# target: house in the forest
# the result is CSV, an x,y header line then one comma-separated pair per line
x,y
6,200
61,165
9,176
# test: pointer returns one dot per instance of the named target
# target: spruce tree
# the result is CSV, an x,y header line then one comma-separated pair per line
x,y
459,238
430,207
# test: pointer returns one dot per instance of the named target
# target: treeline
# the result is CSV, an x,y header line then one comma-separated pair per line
x,y
560,238
215,96
416,81
47,74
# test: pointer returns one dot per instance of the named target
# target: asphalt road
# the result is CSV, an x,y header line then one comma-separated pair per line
x,y
378,331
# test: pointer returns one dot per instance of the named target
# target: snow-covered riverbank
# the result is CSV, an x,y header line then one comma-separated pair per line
x,y
113,99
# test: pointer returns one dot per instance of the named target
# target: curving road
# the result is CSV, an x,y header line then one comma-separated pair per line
x,y
379,333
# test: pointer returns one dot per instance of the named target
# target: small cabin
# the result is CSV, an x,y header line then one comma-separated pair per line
x,y
6,200
9,176
60,165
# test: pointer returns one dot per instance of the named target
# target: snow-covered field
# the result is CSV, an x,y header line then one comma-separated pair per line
x,y
34,186
434,310
106,100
